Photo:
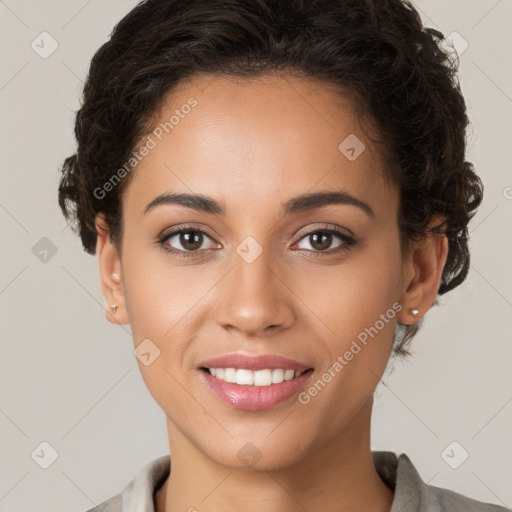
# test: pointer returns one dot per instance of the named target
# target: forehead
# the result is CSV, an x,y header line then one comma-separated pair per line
x,y
256,141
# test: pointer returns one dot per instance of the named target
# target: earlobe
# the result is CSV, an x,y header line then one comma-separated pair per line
x,y
110,273
428,259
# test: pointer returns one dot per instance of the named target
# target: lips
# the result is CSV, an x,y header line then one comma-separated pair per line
x,y
254,397
262,362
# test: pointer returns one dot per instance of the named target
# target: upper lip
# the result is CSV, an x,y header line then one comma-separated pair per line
x,y
261,362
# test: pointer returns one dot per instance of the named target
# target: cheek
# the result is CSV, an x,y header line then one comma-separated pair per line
x,y
356,302
158,293
163,300
159,302
352,295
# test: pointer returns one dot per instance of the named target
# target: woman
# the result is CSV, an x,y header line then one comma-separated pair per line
x,y
277,192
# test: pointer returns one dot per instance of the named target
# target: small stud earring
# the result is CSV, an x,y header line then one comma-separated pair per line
x,y
414,312
113,307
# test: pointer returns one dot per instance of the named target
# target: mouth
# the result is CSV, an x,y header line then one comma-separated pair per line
x,y
251,390
254,382
262,377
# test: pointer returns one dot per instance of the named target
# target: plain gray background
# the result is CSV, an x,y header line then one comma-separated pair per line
x,y
69,378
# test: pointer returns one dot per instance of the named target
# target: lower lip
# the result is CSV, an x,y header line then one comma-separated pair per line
x,y
254,398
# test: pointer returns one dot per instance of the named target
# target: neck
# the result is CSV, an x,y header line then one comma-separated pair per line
x,y
338,475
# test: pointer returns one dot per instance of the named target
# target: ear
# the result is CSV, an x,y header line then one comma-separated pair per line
x,y
422,273
110,273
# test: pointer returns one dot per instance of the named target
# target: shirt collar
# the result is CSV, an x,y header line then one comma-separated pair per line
x,y
399,474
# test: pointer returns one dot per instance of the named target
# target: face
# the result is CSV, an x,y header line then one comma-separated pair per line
x,y
261,274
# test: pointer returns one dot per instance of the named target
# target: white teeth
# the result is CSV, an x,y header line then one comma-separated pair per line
x,y
254,378
277,376
245,377
288,374
230,374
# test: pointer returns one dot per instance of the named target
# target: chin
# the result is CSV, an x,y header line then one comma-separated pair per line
x,y
258,454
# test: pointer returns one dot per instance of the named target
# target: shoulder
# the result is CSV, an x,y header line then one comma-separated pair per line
x,y
444,499
138,494
432,498
413,494
114,504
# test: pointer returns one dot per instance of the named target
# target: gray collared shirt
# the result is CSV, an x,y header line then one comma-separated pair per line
x,y
411,493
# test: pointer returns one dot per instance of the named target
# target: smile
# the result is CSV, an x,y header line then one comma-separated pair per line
x,y
245,377
251,390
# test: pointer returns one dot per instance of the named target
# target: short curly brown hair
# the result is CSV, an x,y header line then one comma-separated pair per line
x,y
377,50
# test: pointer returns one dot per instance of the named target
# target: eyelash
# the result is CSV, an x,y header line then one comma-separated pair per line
x,y
348,242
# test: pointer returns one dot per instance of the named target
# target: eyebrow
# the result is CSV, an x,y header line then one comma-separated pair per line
x,y
304,202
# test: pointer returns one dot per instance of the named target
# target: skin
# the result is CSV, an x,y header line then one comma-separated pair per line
x,y
253,145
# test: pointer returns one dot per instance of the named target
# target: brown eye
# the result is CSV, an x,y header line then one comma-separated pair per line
x,y
321,240
190,240
185,240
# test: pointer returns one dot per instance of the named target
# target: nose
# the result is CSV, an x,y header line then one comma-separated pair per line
x,y
254,298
